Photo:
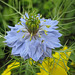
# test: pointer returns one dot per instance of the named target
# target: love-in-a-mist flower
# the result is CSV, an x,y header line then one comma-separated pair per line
x,y
33,37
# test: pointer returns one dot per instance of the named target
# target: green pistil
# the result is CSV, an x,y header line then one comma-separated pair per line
x,y
32,23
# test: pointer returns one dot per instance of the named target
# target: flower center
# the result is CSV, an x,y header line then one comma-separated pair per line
x,y
32,23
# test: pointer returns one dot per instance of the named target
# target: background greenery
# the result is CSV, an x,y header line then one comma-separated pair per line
x,y
61,10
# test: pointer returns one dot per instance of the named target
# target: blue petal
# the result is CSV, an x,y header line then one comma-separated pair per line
x,y
26,14
35,51
17,50
22,20
51,39
50,22
25,51
48,52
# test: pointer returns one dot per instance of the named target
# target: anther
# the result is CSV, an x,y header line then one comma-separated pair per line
x,y
48,26
44,20
18,31
31,36
23,36
45,32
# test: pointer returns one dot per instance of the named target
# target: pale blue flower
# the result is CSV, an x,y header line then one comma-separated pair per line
x,y
33,37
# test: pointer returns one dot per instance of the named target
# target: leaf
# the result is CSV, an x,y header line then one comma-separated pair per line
x,y
1,54
72,57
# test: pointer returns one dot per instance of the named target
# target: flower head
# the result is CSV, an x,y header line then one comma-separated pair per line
x,y
33,37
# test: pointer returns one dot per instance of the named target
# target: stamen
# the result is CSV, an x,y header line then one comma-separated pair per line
x,y
44,20
31,36
18,31
39,35
42,41
21,16
23,35
22,30
37,18
45,32
40,16
48,26
26,23
19,23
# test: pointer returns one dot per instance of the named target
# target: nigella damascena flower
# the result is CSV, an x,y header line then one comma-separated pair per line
x,y
33,37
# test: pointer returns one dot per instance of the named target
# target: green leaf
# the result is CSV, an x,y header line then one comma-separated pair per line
x,y
72,57
1,54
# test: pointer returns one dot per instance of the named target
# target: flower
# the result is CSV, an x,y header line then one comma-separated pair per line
x,y
6,72
9,67
33,37
57,66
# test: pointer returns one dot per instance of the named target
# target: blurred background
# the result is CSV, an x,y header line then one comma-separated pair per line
x,y
61,10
